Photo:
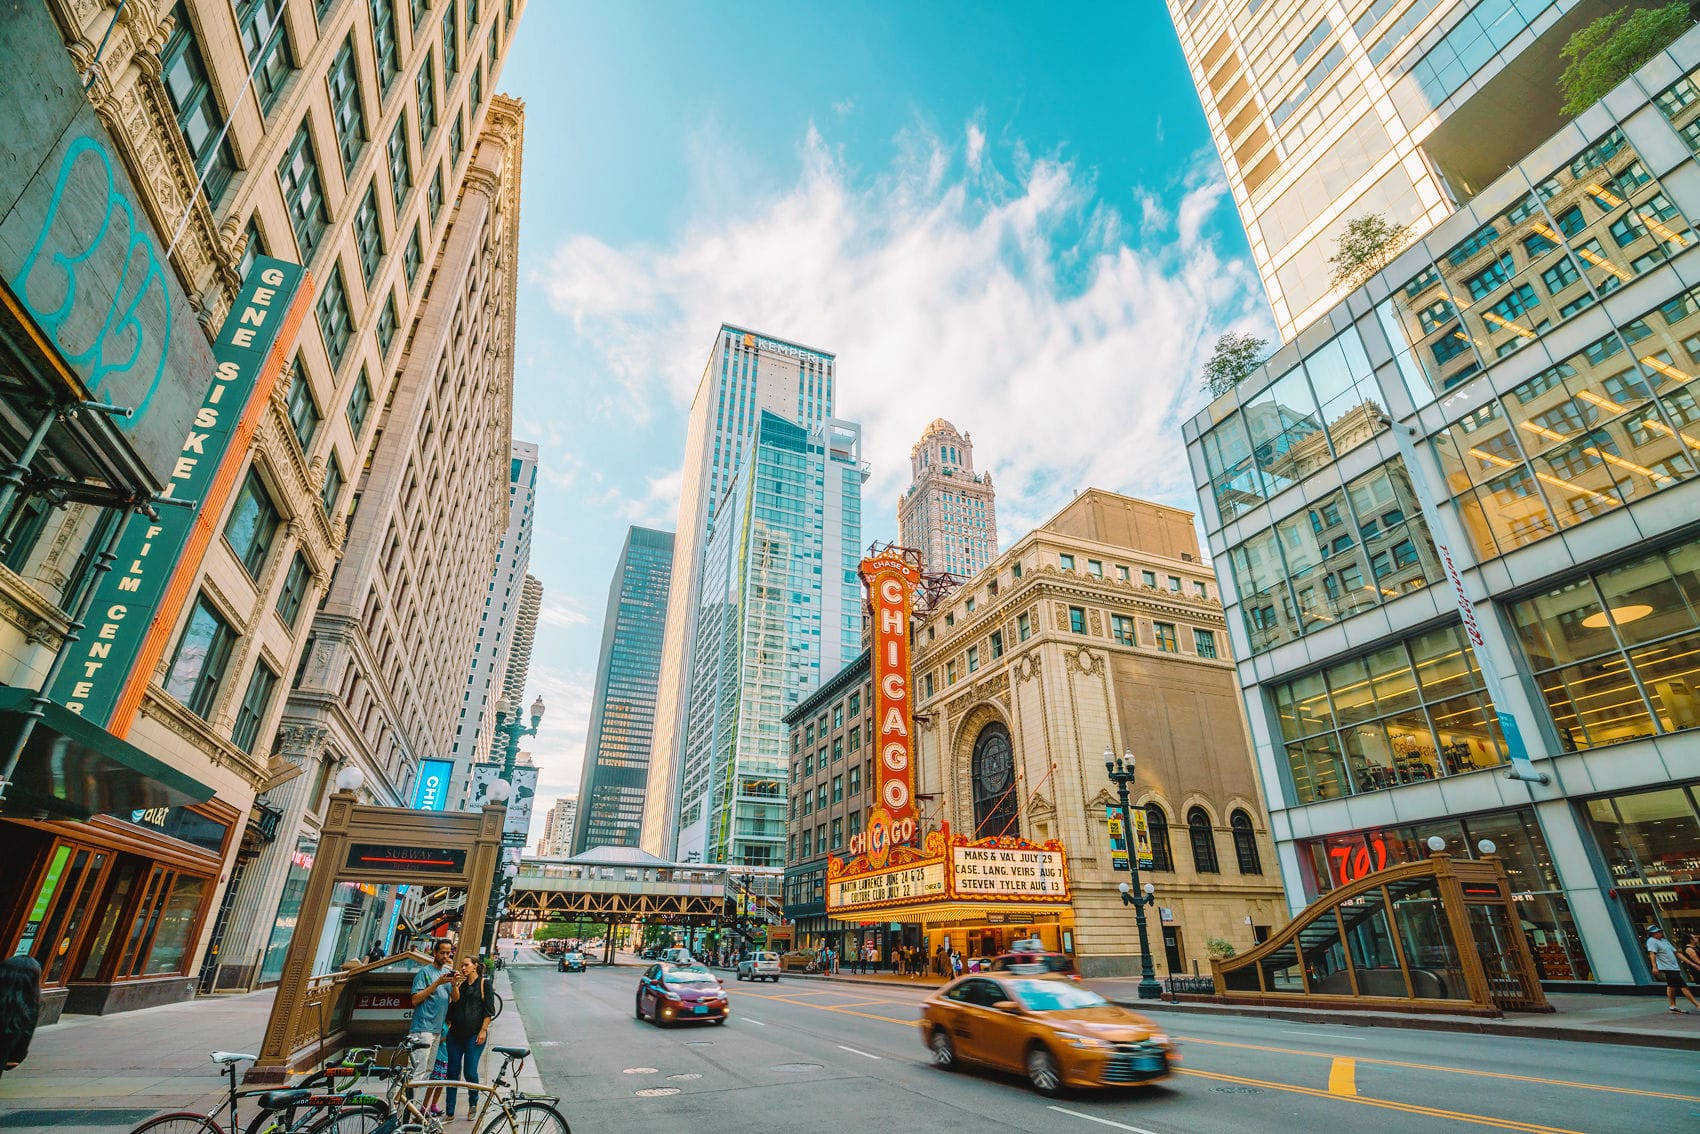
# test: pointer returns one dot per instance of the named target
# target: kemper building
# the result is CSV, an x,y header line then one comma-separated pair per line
x,y
1457,510
1100,630
369,147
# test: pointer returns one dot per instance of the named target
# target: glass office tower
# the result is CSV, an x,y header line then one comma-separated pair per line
x,y
780,605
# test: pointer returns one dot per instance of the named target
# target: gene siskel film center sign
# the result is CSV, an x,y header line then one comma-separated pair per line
x,y
1002,872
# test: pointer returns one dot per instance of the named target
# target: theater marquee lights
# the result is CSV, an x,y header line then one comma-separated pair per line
x,y
891,581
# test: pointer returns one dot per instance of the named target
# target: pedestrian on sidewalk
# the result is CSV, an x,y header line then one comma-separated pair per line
x,y
469,1019
20,1008
1691,954
1668,968
434,989
374,954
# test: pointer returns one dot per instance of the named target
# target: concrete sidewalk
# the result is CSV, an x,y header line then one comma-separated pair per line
x,y
1634,1020
107,1073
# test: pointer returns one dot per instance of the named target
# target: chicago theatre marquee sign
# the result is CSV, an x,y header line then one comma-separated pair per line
x,y
892,869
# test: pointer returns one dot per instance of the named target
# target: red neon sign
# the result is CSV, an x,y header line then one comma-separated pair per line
x,y
891,581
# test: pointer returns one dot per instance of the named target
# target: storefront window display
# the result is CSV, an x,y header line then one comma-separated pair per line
x,y
1542,908
1650,841
288,909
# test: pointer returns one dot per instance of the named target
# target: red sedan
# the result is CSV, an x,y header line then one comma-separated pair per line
x,y
671,994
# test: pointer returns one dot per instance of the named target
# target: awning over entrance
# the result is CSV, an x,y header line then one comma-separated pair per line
x,y
72,769
935,913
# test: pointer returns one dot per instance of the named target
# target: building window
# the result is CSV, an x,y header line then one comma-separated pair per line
x,y
368,234
973,658
1201,590
997,644
1245,843
384,43
837,833
993,771
820,798
451,44
303,414
386,326
350,119
838,715
359,403
253,249
1121,629
855,783
252,524
1149,578
263,39
838,789
1204,643
184,73
255,702
1077,620
294,591
197,666
928,682
1015,569
1166,638
425,94
475,97
434,194
1023,627
1066,562
303,195
333,484
1122,575
1157,826
335,324
401,174
837,748
950,673
1175,583
855,737
456,141
411,257
416,13
1203,842
855,703
1095,568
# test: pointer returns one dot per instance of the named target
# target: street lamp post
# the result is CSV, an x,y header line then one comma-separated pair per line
x,y
509,729
1120,770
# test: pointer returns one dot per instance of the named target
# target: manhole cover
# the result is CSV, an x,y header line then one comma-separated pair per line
x,y
656,1092
1238,1090
638,1071
683,1078
798,1067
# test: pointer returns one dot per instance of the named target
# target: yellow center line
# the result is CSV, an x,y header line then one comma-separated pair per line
x,y
1450,1070
1384,1104
1343,1077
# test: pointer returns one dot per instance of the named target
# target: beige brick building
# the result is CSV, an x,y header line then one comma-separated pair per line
x,y
364,140
1102,629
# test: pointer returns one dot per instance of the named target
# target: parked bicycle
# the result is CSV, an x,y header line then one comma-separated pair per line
x,y
291,1111
503,1108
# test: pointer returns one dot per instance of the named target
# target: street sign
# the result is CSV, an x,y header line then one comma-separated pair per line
x,y
383,856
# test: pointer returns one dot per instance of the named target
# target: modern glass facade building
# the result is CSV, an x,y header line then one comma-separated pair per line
x,y
747,374
1324,111
1516,392
780,607
622,711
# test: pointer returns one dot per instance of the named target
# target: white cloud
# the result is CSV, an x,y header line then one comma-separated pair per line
x,y
976,145
843,107
558,747
1012,301
562,613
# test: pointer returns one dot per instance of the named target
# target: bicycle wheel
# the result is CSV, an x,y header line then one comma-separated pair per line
x,y
362,1118
496,1008
530,1117
178,1122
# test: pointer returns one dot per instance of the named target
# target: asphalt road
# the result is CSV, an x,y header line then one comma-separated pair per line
x,y
818,1056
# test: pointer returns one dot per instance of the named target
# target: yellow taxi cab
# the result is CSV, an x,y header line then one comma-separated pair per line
x,y
1053,1031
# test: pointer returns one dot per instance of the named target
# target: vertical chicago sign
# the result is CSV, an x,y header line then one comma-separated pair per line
x,y
891,581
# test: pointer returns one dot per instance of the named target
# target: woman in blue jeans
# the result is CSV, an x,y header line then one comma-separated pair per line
x,y
469,1029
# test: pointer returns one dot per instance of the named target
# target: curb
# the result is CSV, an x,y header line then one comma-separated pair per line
x,y
508,1029
1416,1022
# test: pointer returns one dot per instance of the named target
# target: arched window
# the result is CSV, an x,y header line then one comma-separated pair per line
x,y
1157,826
993,769
1203,842
1245,843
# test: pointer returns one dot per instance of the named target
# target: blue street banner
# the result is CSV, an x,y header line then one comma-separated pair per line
x,y
431,790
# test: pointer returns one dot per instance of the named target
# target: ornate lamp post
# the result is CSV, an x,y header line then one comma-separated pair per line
x,y
1120,771
508,729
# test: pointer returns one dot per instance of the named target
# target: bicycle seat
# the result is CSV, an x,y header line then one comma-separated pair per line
x,y
512,1052
283,1100
231,1057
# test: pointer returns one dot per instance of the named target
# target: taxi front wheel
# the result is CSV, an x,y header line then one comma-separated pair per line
x,y
944,1051
1042,1070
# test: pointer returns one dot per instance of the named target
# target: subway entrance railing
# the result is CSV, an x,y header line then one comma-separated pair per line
x,y
1437,935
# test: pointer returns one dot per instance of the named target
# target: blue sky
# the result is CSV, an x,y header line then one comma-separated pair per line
x,y
1000,214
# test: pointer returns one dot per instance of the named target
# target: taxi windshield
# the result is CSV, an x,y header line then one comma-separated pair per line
x,y
1053,995
692,975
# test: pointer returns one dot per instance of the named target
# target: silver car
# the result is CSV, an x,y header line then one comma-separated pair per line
x,y
759,966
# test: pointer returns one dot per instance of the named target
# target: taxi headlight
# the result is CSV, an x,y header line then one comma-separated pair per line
x,y
1158,1038
1091,1043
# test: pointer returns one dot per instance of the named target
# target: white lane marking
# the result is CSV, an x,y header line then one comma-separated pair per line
x,y
752,1020
863,1054
1103,1121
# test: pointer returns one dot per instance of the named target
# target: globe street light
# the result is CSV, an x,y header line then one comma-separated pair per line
x,y
509,728
1120,771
